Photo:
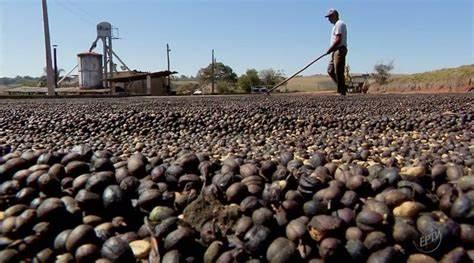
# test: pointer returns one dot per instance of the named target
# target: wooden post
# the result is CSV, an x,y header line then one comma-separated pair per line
x,y
168,84
104,41
47,44
111,61
148,85
55,67
213,79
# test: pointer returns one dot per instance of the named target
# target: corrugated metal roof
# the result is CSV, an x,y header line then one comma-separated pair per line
x,y
132,76
89,54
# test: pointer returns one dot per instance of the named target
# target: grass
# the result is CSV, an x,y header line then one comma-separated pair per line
x,y
184,82
310,84
451,79
462,72
177,84
458,79
298,84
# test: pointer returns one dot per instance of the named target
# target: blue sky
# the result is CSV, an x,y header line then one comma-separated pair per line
x,y
419,35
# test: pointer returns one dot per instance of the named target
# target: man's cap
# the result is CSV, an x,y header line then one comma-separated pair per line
x,y
331,12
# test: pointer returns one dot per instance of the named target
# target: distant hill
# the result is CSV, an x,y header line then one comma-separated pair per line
x,y
444,80
458,79
19,80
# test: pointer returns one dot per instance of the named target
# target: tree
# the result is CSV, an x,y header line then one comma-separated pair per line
x,y
221,72
43,81
249,79
382,72
183,77
225,87
270,77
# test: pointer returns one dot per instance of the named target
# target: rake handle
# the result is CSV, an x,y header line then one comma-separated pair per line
x,y
294,75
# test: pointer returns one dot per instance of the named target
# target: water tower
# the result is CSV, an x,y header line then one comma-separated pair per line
x,y
90,70
89,64
104,33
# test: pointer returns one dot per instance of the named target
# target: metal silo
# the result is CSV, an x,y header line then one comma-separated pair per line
x,y
90,70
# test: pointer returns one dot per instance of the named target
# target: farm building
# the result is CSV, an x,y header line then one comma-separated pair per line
x,y
140,83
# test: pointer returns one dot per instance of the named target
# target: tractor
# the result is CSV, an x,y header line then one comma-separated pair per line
x,y
356,83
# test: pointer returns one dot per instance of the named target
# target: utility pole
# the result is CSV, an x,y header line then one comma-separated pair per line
x,y
168,50
104,41
47,44
55,67
212,73
111,61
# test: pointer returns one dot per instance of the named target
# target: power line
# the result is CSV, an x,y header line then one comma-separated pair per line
x,y
74,12
82,10
83,15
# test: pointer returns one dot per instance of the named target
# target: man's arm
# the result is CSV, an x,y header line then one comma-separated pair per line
x,y
335,44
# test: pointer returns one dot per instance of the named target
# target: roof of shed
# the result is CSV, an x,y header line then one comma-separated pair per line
x,y
136,75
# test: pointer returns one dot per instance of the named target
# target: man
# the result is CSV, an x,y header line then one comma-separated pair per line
x,y
338,49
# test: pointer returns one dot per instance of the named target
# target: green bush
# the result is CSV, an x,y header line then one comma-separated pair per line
x,y
382,72
225,87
